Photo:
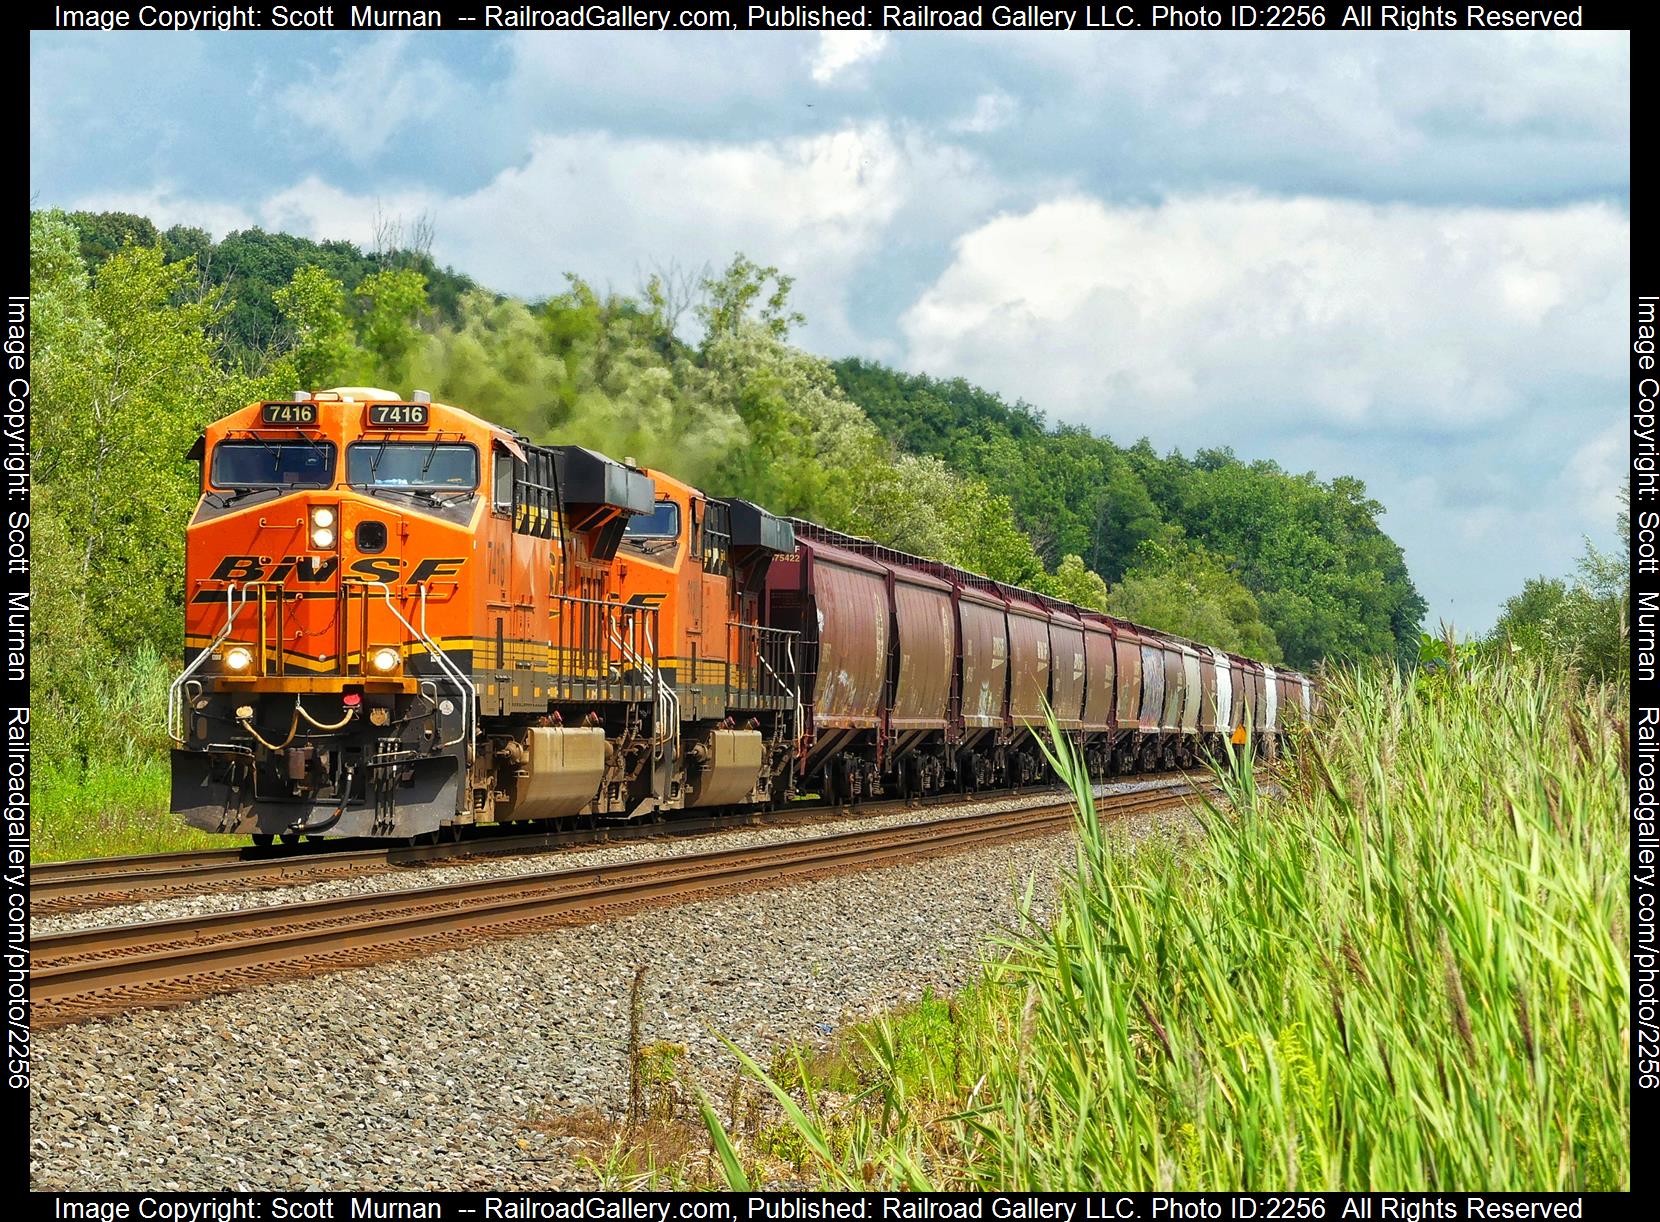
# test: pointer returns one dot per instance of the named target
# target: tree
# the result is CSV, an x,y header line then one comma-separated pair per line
x,y
126,376
127,369
729,298
394,302
1326,577
1584,622
103,234
313,304
1185,589
1077,584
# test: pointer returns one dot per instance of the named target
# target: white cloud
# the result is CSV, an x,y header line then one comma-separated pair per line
x,y
840,50
166,206
1595,474
361,101
1302,311
992,112
819,207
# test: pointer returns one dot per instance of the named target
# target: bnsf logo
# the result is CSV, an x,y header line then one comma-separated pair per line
x,y
313,569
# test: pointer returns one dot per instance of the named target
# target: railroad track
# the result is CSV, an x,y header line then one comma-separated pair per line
x,y
102,882
116,968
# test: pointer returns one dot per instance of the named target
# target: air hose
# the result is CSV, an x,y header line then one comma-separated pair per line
x,y
294,726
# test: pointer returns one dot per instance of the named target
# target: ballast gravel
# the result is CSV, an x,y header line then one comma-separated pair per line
x,y
445,1072
575,857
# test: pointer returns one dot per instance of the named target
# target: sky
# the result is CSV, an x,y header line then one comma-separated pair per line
x,y
1397,256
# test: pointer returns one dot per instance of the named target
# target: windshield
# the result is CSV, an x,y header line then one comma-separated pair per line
x,y
412,464
663,522
273,464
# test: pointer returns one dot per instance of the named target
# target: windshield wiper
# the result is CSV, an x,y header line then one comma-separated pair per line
x,y
226,500
276,456
312,442
424,495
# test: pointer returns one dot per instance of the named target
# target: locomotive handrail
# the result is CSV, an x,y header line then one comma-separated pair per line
x,y
667,703
749,647
451,670
175,690
795,692
444,662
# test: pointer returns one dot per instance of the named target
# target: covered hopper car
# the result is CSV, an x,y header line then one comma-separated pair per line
x,y
401,620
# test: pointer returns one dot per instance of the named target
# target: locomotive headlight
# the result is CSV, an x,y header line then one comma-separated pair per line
x,y
322,536
385,660
322,516
238,659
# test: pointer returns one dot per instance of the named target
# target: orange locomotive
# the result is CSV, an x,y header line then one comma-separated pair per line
x,y
402,619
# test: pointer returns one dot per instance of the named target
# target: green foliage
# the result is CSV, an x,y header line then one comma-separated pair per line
x,y
625,381
1186,589
252,266
1377,974
1326,580
126,374
1445,652
1585,623
394,302
729,300
102,234
313,305
1077,584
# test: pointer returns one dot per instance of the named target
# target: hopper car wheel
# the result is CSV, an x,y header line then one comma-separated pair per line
x,y
262,840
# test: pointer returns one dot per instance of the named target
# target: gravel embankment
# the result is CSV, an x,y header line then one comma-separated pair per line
x,y
402,878
432,1073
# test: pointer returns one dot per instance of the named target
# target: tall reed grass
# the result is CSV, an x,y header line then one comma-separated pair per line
x,y
1402,965
99,781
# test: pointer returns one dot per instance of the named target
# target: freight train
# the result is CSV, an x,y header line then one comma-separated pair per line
x,y
402,621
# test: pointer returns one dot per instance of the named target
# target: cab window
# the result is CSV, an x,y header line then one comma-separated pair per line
x,y
502,494
663,522
272,464
412,464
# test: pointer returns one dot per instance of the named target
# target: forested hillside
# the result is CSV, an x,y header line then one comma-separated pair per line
x,y
141,337
1207,546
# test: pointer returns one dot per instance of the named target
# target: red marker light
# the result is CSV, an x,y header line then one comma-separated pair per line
x,y
351,699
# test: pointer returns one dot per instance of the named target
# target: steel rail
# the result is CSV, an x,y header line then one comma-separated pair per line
x,y
97,882
164,961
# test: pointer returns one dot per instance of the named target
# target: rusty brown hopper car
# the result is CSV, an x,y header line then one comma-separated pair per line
x,y
1028,657
985,658
838,601
1068,666
925,650
1101,678
972,669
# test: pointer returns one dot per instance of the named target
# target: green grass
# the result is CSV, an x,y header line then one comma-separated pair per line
x,y
1405,969
107,809
99,785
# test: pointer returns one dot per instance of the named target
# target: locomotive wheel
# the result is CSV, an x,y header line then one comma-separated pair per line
x,y
262,840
